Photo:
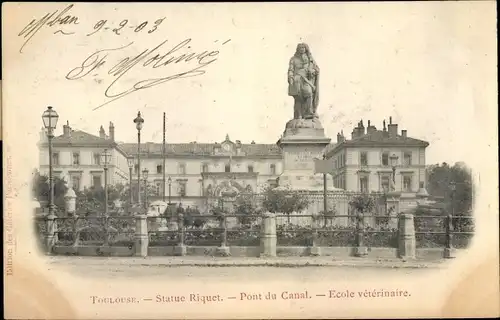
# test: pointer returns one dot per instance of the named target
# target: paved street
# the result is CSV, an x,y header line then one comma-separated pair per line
x,y
167,268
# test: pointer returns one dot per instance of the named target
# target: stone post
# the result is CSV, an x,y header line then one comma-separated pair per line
x,y
70,202
223,250
50,235
141,235
180,249
406,230
314,249
172,217
268,235
360,250
449,251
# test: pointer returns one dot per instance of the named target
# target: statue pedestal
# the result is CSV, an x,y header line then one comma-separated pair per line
x,y
302,142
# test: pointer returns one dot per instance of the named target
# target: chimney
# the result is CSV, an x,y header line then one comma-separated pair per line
x,y
404,133
339,138
392,128
253,142
67,129
102,133
361,129
111,131
371,129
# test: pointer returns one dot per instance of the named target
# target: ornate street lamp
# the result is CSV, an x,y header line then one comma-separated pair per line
x,y
139,121
130,166
169,190
145,173
394,162
106,159
50,118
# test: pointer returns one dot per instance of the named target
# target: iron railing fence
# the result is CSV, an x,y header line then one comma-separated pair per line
x,y
446,231
436,231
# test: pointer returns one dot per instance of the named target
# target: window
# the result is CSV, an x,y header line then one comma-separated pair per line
x,y
227,168
363,184
204,167
385,158
250,168
273,169
407,159
97,158
407,183
159,168
364,158
182,168
55,158
96,181
335,164
75,182
384,183
136,168
182,188
76,158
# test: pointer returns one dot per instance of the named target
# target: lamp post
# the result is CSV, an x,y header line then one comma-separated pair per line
x,y
106,157
394,162
130,166
50,118
139,121
169,190
145,173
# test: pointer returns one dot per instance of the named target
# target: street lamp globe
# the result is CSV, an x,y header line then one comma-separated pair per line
x,y
130,162
394,160
50,118
106,157
169,180
145,173
139,121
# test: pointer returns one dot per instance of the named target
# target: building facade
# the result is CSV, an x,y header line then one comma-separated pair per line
x,y
197,172
363,163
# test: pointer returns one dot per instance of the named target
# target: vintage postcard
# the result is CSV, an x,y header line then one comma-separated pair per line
x,y
250,160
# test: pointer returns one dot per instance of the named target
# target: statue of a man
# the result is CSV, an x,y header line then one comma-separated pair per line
x,y
303,80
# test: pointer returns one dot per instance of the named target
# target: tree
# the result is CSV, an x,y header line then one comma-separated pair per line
x,y
246,209
91,200
458,202
41,189
284,200
362,204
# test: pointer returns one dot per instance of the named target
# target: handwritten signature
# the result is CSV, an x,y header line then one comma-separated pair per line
x,y
180,53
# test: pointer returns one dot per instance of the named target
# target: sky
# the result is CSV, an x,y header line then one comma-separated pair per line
x,y
426,65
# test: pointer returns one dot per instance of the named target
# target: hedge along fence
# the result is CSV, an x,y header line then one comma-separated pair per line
x,y
356,233
438,231
119,231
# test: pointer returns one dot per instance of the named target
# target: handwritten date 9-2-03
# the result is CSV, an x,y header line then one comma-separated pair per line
x,y
65,21
180,55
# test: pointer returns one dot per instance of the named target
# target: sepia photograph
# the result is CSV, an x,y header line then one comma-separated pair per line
x,y
250,160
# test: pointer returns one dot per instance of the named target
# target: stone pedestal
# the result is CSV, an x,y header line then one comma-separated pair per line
x,y
303,141
268,235
50,235
180,250
449,253
407,242
223,251
360,251
141,236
